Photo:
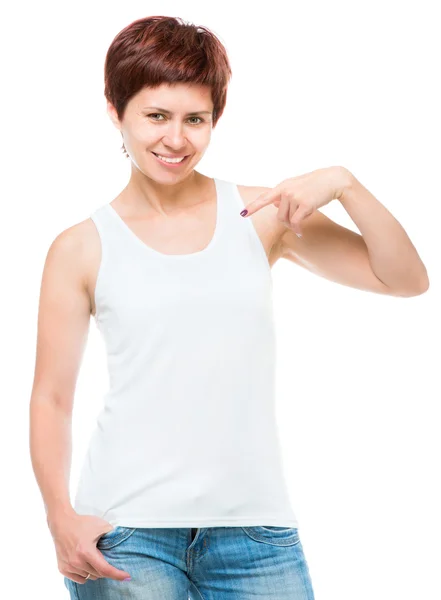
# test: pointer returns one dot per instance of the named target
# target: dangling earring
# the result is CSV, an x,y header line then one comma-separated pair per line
x,y
123,148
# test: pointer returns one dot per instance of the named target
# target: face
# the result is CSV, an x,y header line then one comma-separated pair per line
x,y
185,130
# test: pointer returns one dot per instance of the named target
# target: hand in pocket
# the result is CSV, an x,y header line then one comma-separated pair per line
x,y
75,537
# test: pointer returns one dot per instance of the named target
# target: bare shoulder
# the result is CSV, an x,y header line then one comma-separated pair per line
x,y
266,223
69,245
79,248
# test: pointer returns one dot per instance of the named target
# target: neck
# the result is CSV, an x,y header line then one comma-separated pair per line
x,y
145,194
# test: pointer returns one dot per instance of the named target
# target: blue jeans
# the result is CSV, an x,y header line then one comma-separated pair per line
x,y
220,563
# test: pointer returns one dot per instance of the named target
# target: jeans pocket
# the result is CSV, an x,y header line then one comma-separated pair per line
x,y
277,536
114,537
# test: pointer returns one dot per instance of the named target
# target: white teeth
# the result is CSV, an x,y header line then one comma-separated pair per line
x,y
170,160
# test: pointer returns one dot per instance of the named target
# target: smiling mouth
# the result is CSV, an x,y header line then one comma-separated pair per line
x,y
159,155
173,164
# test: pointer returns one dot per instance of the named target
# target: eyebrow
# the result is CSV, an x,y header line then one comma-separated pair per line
x,y
197,112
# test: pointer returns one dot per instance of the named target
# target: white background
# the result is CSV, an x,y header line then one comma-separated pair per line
x,y
314,84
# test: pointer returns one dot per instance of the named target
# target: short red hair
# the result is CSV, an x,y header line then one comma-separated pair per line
x,y
156,50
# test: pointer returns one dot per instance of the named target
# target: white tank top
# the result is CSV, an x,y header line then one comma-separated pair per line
x,y
187,436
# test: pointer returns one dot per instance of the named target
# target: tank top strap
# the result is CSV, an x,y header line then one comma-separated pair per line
x,y
231,202
104,222
111,242
241,230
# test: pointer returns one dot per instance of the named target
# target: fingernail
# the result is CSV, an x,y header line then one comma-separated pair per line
x,y
244,212
127,579
298,234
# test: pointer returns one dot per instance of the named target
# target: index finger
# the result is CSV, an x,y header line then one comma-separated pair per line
x,y
105,569
262,200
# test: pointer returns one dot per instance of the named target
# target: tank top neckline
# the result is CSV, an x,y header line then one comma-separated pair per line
x,y
162,255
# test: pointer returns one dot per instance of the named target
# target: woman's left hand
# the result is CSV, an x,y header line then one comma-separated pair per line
x,y
298,197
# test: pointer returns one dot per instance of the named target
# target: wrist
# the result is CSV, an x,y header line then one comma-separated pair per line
x,y
56,513
345,182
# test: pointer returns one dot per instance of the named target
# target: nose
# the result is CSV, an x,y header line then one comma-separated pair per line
x,y
175,139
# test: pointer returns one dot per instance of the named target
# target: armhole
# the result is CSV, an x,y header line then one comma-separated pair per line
x,y
103,261
252,229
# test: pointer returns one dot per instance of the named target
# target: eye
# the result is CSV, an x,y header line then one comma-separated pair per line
x,y
161,115
154,115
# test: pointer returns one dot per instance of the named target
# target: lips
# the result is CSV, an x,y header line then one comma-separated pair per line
x,y
171,164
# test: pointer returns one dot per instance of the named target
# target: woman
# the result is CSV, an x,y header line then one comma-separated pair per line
x,y
182,490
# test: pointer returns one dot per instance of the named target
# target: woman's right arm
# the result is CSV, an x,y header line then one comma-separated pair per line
x,y
63,324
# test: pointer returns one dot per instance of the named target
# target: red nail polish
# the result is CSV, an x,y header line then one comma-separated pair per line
x,y
244,212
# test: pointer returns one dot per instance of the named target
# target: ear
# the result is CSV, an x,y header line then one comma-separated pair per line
x,y
111,111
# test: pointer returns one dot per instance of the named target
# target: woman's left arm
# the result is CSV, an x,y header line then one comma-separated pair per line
x,y
392,255
382,259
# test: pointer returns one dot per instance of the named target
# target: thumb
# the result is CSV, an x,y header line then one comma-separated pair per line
x,y
107,529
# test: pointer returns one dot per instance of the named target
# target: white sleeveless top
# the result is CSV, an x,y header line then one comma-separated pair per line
x,y
187,436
